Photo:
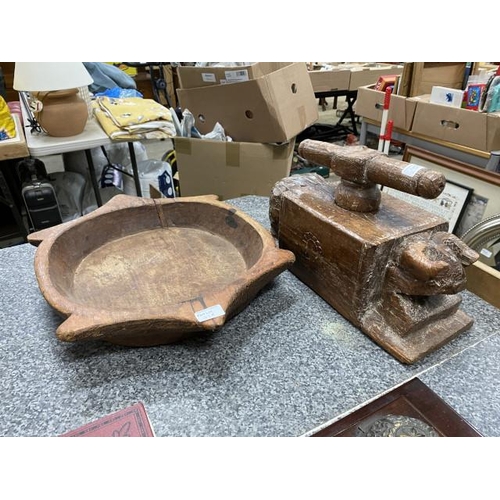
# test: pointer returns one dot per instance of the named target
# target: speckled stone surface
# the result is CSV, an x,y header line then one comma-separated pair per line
x,y
285,366
477,395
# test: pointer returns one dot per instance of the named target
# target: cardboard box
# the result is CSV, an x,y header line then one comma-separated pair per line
x,y
492,131
370,102
191,77
230,169
366,75
460,126
350,76
425,75
484,281
478,67
327,80
272,108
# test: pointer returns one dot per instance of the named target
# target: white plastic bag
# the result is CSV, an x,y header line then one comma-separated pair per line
x,y
156,173
69,188
76,161
119,154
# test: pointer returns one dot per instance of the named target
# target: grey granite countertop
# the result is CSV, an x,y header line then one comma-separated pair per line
x,y
285,366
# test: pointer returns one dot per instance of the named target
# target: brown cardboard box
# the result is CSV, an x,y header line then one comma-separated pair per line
x,y
460,126
275,107
327,80
366,75
350,76
230,169
478,67
492,131
425,75
370,102
191,77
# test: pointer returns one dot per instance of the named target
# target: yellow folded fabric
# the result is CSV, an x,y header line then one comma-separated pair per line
x,y
129,111
111,129
152,129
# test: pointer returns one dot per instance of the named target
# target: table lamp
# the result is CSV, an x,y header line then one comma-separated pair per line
x,y
60,110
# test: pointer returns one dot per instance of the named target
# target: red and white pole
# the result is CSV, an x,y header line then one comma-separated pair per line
x,y
385,114
388,136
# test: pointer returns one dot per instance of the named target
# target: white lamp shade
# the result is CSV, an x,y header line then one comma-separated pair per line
x,y
46,76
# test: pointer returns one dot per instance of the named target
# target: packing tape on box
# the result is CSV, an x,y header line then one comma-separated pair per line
x,y
282,152
182,147
232,154
301,110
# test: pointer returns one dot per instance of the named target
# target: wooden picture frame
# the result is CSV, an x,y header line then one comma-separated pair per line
x,y
484,201
450,204
413,400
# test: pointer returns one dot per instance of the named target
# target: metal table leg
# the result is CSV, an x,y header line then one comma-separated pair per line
x,y
362,135
350,99
134,168
93,177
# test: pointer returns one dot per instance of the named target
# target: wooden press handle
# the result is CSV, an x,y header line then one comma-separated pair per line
x,y
365,166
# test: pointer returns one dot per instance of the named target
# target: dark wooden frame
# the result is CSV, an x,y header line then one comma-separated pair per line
x,y
412,399
484,183
429,204
457,166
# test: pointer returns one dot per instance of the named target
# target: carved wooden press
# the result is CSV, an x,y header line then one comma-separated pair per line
x,y
390,268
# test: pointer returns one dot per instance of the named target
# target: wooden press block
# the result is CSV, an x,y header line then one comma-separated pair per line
x,y
351,260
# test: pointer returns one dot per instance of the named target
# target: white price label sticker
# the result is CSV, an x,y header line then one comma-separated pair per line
x,y
486,253
208,77
209,313
237,76
411,169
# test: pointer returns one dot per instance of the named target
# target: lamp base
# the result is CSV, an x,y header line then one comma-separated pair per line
x,y
63,114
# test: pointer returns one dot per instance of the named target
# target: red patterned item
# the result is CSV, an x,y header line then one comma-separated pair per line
x,y
129,422
474,92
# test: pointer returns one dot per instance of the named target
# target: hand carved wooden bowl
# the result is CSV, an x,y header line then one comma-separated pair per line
x,y
142,272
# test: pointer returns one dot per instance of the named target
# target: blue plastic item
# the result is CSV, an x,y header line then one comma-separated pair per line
x,y
118,92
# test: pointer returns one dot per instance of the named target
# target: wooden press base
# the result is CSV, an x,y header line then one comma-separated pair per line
x,y
414,346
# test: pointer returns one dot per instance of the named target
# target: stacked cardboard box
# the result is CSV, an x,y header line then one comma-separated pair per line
x,y
262,107
369,104
231,169
417,114
350,76
460,126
